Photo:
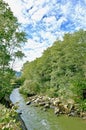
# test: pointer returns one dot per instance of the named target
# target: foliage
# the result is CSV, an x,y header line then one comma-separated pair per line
x,y
83,105
11,39
29,87
61,71
8,119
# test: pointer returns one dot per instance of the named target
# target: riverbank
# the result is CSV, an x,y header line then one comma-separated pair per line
x,y
35,118
59,106
22,124
8,119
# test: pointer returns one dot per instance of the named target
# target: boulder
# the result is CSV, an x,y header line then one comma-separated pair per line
x,y
28,103
56,110
82,114
47,105
41,103
72,114
56,101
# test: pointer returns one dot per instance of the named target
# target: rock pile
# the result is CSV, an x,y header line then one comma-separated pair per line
x,y
59,106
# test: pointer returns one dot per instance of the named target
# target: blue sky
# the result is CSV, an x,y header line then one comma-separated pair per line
x,y
44,21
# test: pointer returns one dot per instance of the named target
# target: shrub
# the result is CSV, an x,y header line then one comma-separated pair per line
x,y
29,87
8,119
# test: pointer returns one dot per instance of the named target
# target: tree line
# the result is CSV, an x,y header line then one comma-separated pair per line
x,y
60,71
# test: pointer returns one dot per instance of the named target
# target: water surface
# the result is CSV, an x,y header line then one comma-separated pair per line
x,y
37,119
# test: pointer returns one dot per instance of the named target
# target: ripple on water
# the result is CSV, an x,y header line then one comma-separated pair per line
x,y
36,119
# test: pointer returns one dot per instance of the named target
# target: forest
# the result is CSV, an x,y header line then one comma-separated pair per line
x,y
60,71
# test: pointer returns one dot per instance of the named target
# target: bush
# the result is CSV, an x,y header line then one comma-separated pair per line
x,y
8,119
29,87
52,92
79,86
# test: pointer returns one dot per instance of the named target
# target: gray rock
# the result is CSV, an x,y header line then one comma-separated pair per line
x,y
84,118
56,110
47,106
28,103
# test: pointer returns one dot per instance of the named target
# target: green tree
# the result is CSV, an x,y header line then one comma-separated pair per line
x,y
61,71
11,39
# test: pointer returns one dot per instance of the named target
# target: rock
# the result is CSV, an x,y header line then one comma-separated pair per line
x,y
61,107
71,107
41,103
72,114
56,101
47,105
82,114
38,100
56,110
84,118
52,107
65,108
28,103
33,100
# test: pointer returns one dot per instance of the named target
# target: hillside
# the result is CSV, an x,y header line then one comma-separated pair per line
x,y
60,72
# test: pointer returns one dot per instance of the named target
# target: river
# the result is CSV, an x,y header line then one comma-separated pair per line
x,y
36,119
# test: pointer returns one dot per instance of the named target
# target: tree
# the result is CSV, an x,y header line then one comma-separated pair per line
x,y
62,67
11,39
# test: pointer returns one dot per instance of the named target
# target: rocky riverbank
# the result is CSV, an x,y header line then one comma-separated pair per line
x,y
59,106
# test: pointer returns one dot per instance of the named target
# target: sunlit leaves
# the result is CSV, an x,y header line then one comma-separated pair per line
x,y
61,66
11,38
7,121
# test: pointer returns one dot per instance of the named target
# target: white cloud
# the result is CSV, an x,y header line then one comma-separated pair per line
x,y
80,16
48,35
66,8
46,18
17,8
50,19
33,45
37,16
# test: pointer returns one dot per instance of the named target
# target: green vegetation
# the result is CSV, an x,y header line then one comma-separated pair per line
x,y
8,119
60,72
11,39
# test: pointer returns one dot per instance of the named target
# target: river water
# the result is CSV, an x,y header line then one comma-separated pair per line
x,y
36,119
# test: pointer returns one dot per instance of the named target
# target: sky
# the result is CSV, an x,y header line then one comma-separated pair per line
x,y
45,21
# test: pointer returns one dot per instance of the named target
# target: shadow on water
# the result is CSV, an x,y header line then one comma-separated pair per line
x,y
36,119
